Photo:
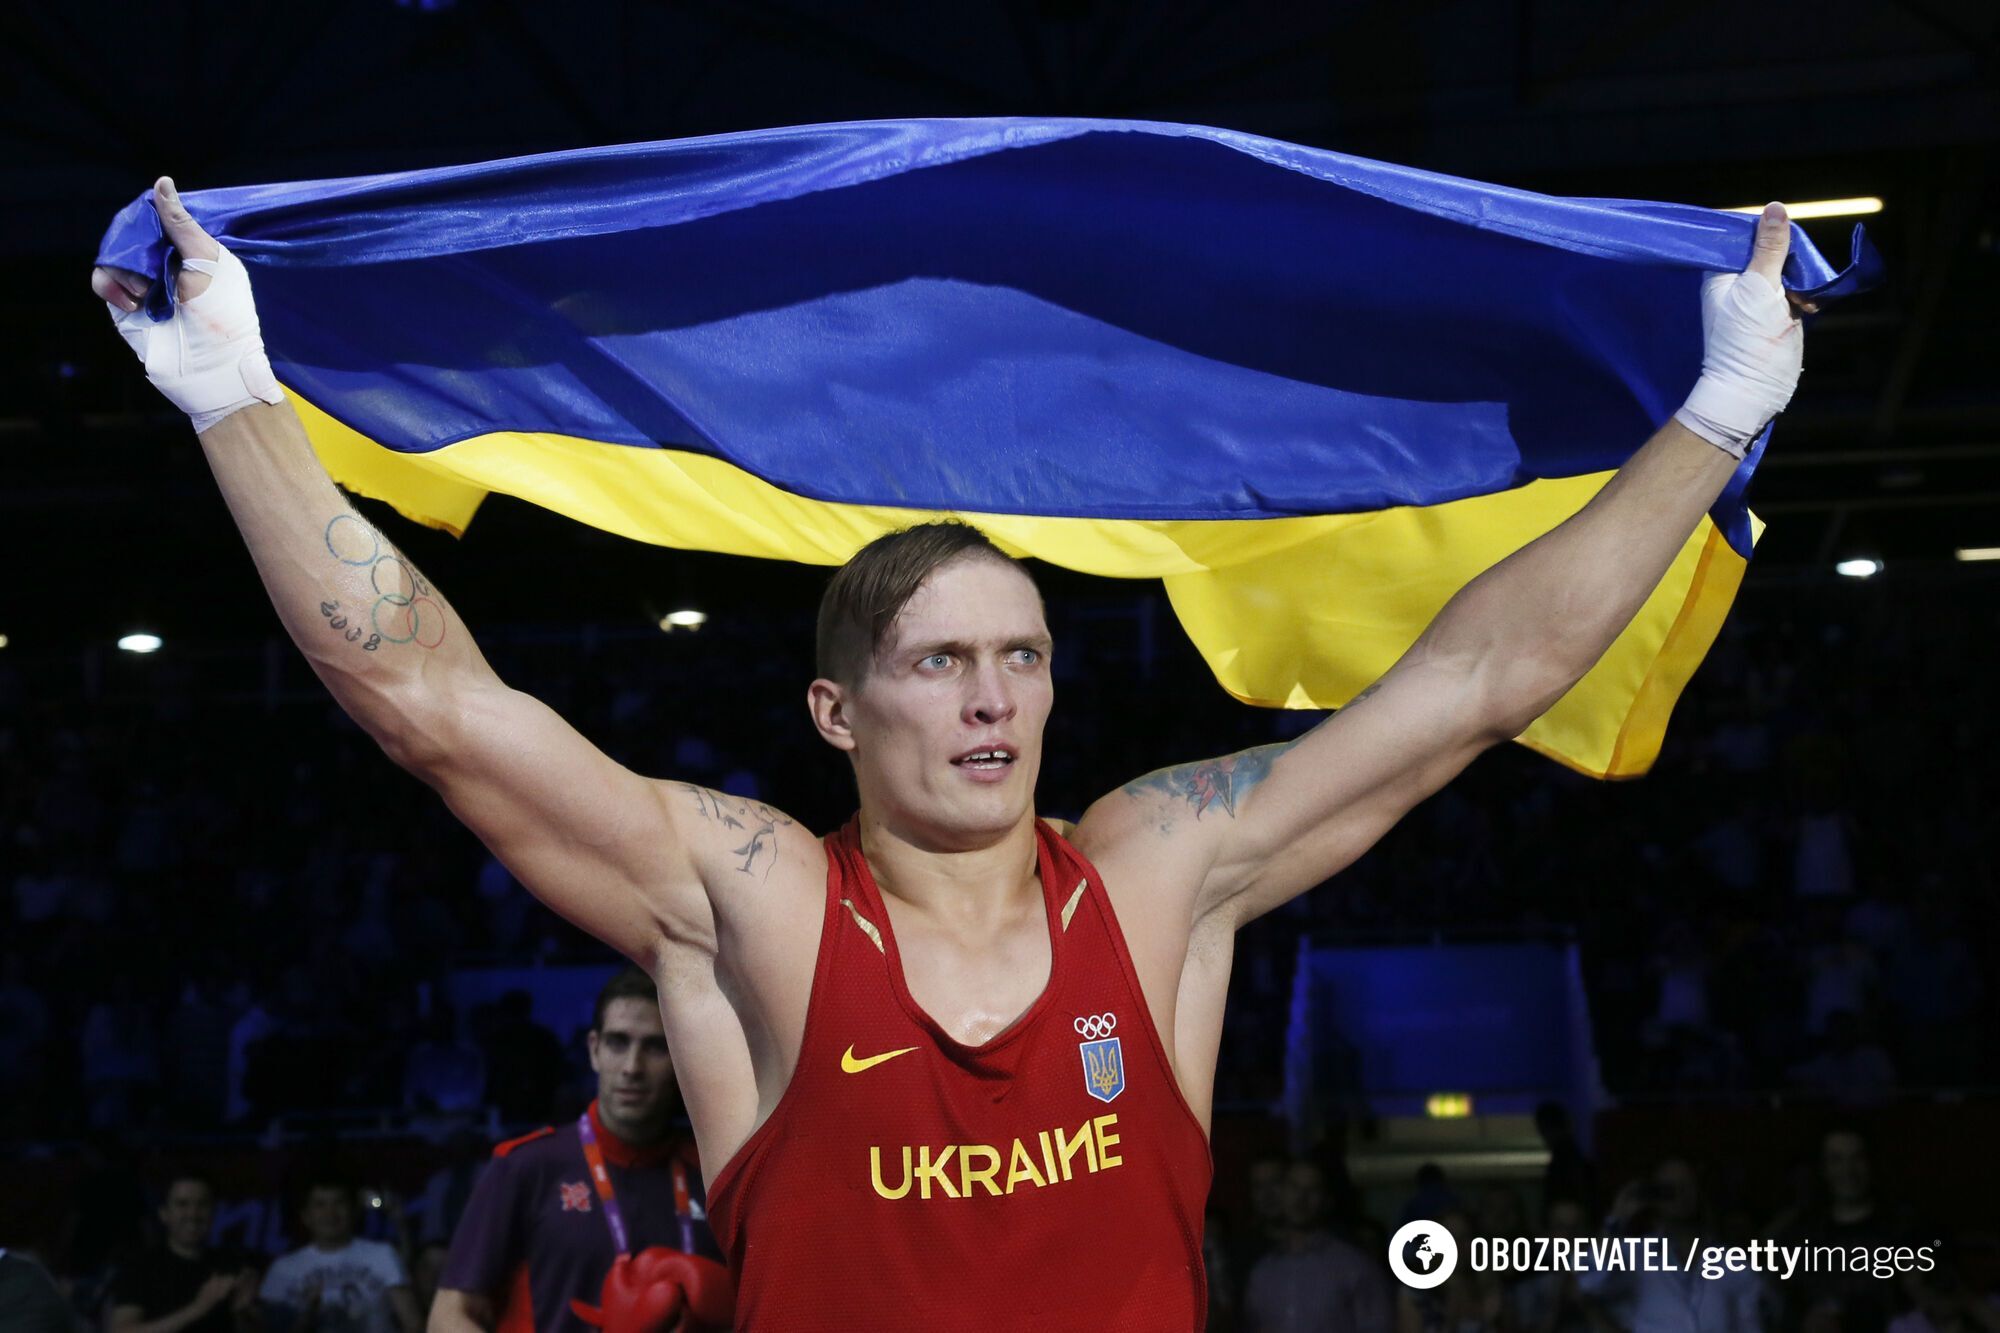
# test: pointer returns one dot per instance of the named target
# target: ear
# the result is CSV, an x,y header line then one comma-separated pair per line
x,y
591,1042
827,701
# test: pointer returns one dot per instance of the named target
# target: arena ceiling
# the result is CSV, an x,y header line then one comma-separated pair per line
x,y
1892,448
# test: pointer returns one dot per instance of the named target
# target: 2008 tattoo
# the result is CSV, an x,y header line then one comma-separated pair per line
x,y
415,616
352,633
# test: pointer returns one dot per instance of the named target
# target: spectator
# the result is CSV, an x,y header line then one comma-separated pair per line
x,y
24,1029
1946,1303
1853,1070
443,1071
121,1063
1313,1280
1846,1213
1550,1302
184,1285
1840,975
524,1061
1266,1228
1434,1197
1570,1174
1670,1205
536,1234
1935,985
198,1054
1467,1301
338,1282
425,1270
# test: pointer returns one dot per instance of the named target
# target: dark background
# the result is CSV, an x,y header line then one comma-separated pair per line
x,y
216,830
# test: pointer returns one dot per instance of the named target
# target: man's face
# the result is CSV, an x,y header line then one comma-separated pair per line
x,y
186,1213
635,1073
1680,1201
1267,1192
1844,1160
1567,1218
964,670
1305,1194
329,1215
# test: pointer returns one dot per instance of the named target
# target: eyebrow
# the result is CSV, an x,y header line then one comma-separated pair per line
x,y
963,648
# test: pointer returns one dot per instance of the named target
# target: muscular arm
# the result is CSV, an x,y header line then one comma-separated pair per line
x,y
591,838
614,852
1268,823
1251,830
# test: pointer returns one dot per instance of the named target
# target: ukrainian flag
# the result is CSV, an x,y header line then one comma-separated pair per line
x,y
1313,394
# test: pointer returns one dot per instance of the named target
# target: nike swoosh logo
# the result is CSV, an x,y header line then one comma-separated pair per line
x,y
850,1065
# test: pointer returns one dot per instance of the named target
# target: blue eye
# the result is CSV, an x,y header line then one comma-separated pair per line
x,y
940,658
1029,654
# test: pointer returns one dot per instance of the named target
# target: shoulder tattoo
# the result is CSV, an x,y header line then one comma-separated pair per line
x,y
751,825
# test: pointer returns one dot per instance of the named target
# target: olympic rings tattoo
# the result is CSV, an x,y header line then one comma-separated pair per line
x,y
415,616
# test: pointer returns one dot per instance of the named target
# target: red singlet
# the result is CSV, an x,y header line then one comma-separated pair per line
x,y
1050,1179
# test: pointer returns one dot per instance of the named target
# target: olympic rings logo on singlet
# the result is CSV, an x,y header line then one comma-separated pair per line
x,y
1095,1027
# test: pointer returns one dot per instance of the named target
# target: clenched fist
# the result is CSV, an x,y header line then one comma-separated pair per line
x,y
208,356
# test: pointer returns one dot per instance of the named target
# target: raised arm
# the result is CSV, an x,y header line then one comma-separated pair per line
x,y
620,855
1261,826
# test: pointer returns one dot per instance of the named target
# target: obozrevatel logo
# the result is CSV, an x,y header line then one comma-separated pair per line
x,y
1422,1254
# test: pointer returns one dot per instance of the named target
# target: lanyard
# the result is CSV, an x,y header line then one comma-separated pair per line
x,y
593,1156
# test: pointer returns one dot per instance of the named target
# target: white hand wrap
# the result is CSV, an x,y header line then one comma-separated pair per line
x,y
1752,351
208,359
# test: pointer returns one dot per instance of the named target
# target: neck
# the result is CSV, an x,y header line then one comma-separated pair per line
x,y
643,1144
977,886
184,1251
330,1246
1853,1210
632,1133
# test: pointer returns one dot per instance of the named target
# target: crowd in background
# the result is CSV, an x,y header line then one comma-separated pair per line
x,y
223,907
1305,1255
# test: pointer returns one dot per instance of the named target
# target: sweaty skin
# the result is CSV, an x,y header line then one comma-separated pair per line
x,y
720,898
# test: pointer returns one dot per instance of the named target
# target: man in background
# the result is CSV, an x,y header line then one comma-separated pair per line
x,y
185,1286
539,1230
338,1282
1313,1280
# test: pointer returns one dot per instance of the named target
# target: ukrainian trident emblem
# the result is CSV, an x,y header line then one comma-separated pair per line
x,y
1103,1058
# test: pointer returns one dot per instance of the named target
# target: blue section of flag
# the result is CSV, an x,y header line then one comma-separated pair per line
x,y
1051,317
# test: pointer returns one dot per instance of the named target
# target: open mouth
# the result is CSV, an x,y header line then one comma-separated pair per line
x,y
990,759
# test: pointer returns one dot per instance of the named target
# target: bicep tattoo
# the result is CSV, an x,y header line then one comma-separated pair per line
x,y
1216,783
1210,782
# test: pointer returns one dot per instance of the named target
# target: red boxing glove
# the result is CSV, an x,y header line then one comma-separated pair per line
x,y
661,1290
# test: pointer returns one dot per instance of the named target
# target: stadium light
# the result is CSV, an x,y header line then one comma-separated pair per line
x,y
3,641
1448,1105
1859,569
1822,208
685,619
1964,553
140,643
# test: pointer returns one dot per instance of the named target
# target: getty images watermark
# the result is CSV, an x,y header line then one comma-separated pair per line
x,y
1422,1254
